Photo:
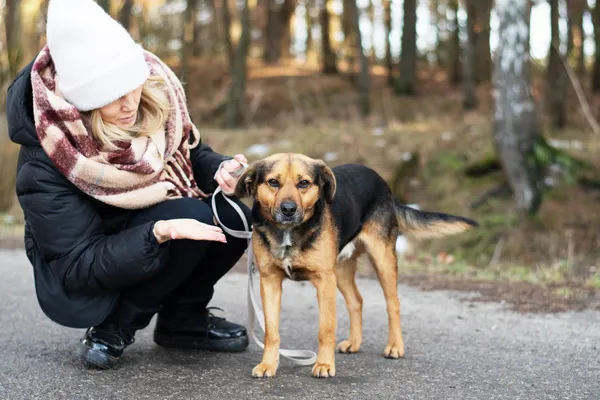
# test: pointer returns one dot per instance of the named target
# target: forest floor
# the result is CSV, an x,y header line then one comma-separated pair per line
x,y
423,145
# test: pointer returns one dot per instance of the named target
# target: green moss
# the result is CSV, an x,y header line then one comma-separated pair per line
x,y
594,281
458,268
563,292
487,275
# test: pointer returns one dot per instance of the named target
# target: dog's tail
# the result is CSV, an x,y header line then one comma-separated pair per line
x,y
423,224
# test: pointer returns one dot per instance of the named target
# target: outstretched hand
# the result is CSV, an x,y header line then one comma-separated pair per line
x,y
187,228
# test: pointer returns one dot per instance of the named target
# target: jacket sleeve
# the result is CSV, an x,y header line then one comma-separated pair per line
x,y
72,240
204,165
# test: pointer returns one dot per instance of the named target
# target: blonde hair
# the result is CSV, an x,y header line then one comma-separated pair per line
x,y
152,116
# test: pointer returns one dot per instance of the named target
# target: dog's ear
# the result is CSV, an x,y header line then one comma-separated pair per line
x,y
326,181
246,185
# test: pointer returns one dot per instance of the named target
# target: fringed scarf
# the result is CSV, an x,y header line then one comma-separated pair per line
x,y
141,172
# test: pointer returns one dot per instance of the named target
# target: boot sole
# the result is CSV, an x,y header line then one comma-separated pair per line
x,y
95,357
193,342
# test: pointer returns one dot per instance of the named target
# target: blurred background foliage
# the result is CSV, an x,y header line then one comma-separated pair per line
x,y
404,86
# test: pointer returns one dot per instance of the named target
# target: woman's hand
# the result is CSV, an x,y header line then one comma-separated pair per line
x,y
187,228
229,174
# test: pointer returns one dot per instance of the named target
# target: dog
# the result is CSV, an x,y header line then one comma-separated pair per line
x,y
311,223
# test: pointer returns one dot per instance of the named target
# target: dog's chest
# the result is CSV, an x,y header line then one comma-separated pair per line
x,y
284,253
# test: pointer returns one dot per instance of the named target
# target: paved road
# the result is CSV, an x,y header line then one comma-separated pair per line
x,y
456,349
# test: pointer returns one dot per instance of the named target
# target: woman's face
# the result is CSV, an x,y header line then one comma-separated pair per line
x,y
122,112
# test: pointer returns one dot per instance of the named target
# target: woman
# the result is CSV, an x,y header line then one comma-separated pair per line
x,y
114,184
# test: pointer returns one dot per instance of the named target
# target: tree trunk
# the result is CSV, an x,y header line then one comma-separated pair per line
x,y
273,32
348,30
125,14
596,72
187,39
105,4
455,65
308,20
516,125
363,80
213,37
371,13
406,82
329,57
285,39
227,33
435,25
12,23
197,35
472,36
8,149
42,23
575,11
238,73
143,24
556,88
469,61
581,39
483,29
388,45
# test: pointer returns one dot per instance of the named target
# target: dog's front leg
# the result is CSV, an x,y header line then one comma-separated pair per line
x,y
325,284
270,291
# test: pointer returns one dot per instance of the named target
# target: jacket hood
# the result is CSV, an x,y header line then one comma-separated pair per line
x,y
19,110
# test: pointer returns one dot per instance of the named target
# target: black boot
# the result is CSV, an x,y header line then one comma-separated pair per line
x,y
186,327
102,345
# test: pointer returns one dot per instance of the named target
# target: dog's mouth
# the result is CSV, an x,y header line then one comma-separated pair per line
x,y
280,218
286,219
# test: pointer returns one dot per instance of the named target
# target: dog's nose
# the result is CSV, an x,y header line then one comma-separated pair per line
x,y
288,208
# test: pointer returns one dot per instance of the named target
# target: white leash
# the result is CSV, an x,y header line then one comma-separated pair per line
x,y
299,357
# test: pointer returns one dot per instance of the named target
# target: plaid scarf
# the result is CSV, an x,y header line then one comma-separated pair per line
x,y
141,172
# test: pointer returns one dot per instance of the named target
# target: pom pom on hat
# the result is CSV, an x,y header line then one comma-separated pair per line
x,y
96,59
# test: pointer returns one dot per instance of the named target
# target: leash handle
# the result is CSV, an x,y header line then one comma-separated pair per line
x,y
255,312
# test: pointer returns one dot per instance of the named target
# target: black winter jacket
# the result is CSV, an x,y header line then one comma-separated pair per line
x,y
81,254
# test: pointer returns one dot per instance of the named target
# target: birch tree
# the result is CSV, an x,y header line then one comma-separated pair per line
x,y
516,125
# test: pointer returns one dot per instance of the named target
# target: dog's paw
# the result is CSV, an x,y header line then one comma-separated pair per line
x,y
348,346
264,370
323,370
394,350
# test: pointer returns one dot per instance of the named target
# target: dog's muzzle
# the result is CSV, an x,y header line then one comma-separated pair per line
x,y
288,213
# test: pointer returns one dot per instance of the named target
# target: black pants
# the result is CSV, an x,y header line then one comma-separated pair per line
x,y
193,267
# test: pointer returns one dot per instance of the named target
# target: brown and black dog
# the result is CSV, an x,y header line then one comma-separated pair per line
x,y
311,223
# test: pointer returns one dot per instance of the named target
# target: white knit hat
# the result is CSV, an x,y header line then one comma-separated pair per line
x,y
96,59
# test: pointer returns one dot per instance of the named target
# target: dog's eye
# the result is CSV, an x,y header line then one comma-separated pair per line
x,y
273,183
303,184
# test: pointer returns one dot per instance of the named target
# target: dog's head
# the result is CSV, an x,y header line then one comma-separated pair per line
x,y
287,186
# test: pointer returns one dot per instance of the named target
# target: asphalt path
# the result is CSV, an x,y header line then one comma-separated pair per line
x,y
455,349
